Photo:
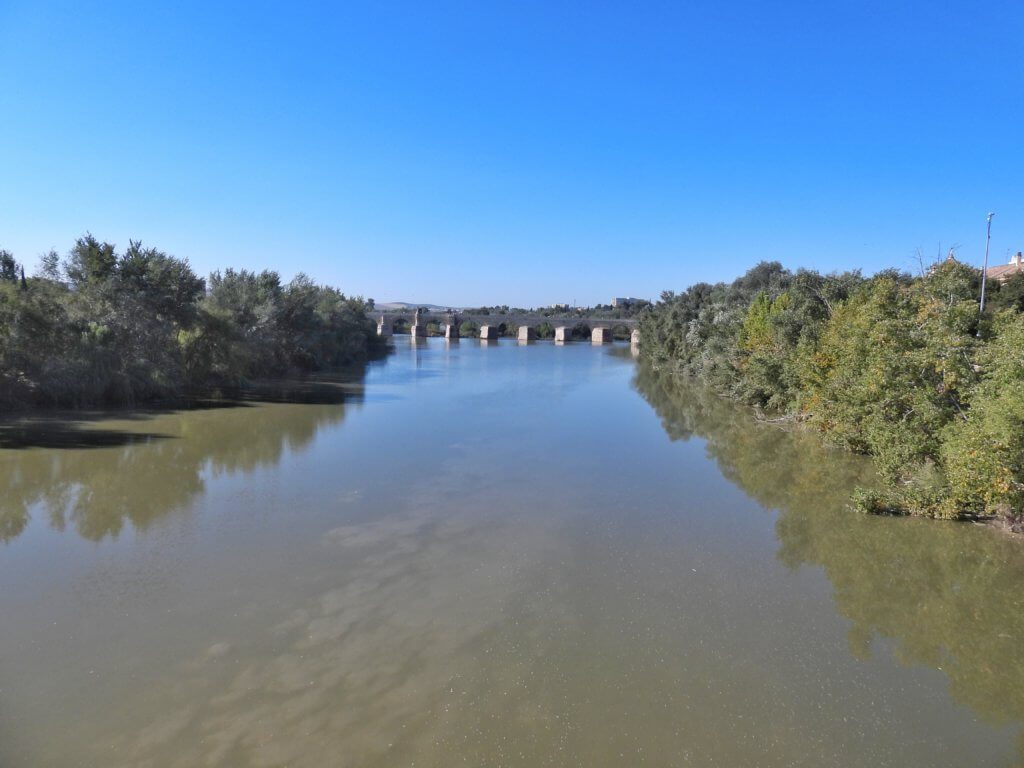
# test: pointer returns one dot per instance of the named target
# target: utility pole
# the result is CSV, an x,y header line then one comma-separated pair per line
x,y
984,271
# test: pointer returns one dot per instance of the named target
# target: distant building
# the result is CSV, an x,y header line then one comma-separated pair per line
x,y
628,301
1004,272
560,307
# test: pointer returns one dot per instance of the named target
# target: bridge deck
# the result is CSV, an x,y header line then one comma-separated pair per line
x,y
509,319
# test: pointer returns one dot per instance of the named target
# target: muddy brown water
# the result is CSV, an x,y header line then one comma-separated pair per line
x,y
492,556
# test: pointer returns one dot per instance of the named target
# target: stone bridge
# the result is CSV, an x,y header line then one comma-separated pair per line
x,y
491,325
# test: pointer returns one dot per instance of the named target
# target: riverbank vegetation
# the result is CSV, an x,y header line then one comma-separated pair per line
x,y
563,314
902,368
106,327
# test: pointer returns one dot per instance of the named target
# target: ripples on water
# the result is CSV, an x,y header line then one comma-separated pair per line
x,y
489,556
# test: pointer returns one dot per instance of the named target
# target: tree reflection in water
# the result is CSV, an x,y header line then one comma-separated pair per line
x,y
951,595
96,472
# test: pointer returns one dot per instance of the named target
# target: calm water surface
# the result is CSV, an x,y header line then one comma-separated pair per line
x,y
487,556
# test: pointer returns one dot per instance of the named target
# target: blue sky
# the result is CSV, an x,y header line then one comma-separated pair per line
x,y
524,153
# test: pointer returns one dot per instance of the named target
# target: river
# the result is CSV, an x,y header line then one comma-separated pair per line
x,y
487,555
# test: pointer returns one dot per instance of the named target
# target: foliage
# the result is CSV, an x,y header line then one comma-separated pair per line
x,y
564,311
581,331
887,366
1007,295
983,455
121,328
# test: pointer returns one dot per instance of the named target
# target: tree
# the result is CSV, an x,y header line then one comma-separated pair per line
x,y
90,261
104,327
1008,295
887,366
8,267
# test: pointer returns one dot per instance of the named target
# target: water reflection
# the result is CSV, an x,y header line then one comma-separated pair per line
x,y
949,595
95,472
405,593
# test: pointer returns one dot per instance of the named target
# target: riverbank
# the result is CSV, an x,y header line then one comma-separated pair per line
x,y
106,328
900,368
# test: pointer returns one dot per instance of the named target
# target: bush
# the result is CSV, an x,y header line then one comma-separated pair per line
x,y
889,366
103,327
983,452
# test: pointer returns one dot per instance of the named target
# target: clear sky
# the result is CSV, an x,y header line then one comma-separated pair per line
x,y
523,153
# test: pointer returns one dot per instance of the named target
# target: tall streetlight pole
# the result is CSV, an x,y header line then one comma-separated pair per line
x,y
984,272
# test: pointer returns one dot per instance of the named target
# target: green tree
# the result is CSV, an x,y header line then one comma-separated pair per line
x,y
8,267
983,454
887,366
1008,295
123,328
90,261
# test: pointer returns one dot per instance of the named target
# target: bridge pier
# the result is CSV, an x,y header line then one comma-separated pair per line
x,y
634,338
393,321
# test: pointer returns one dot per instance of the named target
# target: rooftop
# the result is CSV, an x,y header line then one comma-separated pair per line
x,y
1004,271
